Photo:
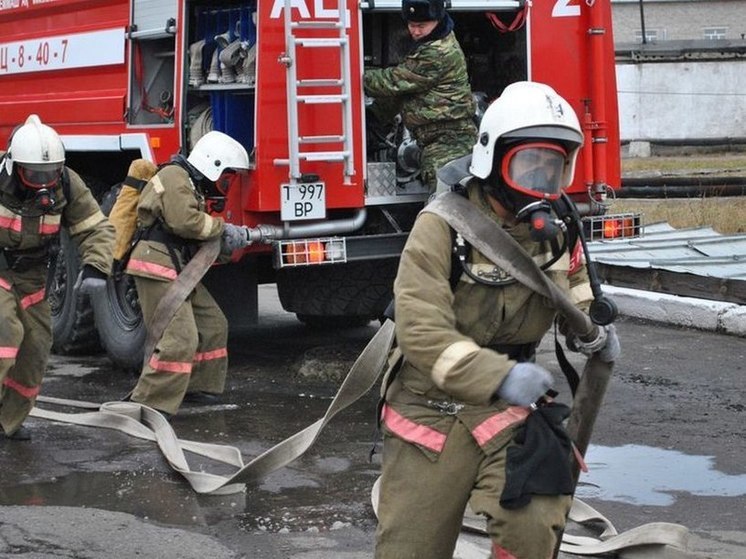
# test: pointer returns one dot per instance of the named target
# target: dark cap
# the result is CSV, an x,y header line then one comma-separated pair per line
x,y
423,10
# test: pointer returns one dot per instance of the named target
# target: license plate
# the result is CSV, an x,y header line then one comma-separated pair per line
x,y
305,200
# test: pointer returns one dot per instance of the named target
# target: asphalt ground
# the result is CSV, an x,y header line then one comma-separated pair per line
x,y
668,446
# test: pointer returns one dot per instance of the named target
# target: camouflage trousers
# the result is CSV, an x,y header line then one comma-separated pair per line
x,y
191,355
422,503
25,343
438,148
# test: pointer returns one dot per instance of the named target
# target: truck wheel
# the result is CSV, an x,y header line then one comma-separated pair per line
x,y
338,296
119,322
73,329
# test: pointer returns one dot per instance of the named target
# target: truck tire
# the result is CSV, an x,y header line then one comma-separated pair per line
x,y
338,296
119,322
73,327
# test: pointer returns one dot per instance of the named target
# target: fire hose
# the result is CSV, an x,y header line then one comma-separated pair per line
x,y
144,422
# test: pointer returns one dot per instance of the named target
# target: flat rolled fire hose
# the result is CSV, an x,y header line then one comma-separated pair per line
x,y
146,423
658,535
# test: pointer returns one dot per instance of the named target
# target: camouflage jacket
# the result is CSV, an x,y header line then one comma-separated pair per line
x,y
171,200
430,86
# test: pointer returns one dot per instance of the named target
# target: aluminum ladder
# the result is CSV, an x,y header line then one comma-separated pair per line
x,y
295,97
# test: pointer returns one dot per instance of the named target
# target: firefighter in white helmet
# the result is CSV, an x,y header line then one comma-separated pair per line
x,y
38,195
455,415
190,360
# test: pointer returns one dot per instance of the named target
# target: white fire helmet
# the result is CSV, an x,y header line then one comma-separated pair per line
x,y
37,153
215,152
529,112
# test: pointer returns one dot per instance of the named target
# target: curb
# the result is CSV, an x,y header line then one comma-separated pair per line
x,y
716,316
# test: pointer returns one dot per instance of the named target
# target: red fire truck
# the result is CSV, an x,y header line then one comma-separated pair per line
x,y
331,192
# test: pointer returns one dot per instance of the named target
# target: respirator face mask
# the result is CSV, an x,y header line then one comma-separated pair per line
x,y
42,179
532,173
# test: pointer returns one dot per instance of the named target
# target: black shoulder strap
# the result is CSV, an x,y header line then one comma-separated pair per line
x,y
66,184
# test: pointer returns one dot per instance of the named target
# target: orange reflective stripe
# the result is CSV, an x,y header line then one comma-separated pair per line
x,y
12,223
501,553
49,228
5,284
170,366
485,431
25,391
152,269
32,299
411,431
8,352
210,355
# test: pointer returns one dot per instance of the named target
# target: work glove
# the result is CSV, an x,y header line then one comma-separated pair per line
x,y
524,384
234,238
90,280
606,344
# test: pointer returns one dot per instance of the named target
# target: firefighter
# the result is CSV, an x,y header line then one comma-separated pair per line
x,y
429,88
190,360
469,378
39,195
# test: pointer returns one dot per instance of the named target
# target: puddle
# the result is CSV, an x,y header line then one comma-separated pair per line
x,y
147,495
643,475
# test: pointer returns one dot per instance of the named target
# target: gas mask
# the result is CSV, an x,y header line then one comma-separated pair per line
x,y
530,178
40,181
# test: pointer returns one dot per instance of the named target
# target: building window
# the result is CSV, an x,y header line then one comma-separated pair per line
x,y
713,33
651,35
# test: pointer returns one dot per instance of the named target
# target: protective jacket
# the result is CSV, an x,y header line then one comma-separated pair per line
x,y
452,337
172,221
27,233
191,355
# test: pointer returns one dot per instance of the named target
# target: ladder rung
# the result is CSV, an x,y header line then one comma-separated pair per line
x,y
324,155
320,83
316,25
321,99
330,42
320,139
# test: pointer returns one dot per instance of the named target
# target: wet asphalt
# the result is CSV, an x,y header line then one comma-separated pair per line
x,y
669,446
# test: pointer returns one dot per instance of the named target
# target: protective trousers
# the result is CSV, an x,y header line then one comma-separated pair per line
x,y
422,520
25,343
191,356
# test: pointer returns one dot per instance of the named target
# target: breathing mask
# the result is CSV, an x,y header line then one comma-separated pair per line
x,y
40,181
528,178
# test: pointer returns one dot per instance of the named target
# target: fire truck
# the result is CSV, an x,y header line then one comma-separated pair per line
x,y
331,192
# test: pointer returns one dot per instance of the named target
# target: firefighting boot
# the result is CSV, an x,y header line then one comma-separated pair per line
x,y
229,58
246,69
213,75
196,77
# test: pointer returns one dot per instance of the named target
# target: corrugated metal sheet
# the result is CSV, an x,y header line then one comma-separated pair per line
x,y
701,251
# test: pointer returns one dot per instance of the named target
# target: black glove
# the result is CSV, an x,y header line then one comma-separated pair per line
x,y
524,384
234,238
606,344
90,280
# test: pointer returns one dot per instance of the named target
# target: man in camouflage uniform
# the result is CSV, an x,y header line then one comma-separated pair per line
x,y
38,196
429,88
468,378
190,360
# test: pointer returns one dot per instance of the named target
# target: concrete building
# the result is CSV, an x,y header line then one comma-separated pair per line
x,y
686,83
678,20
